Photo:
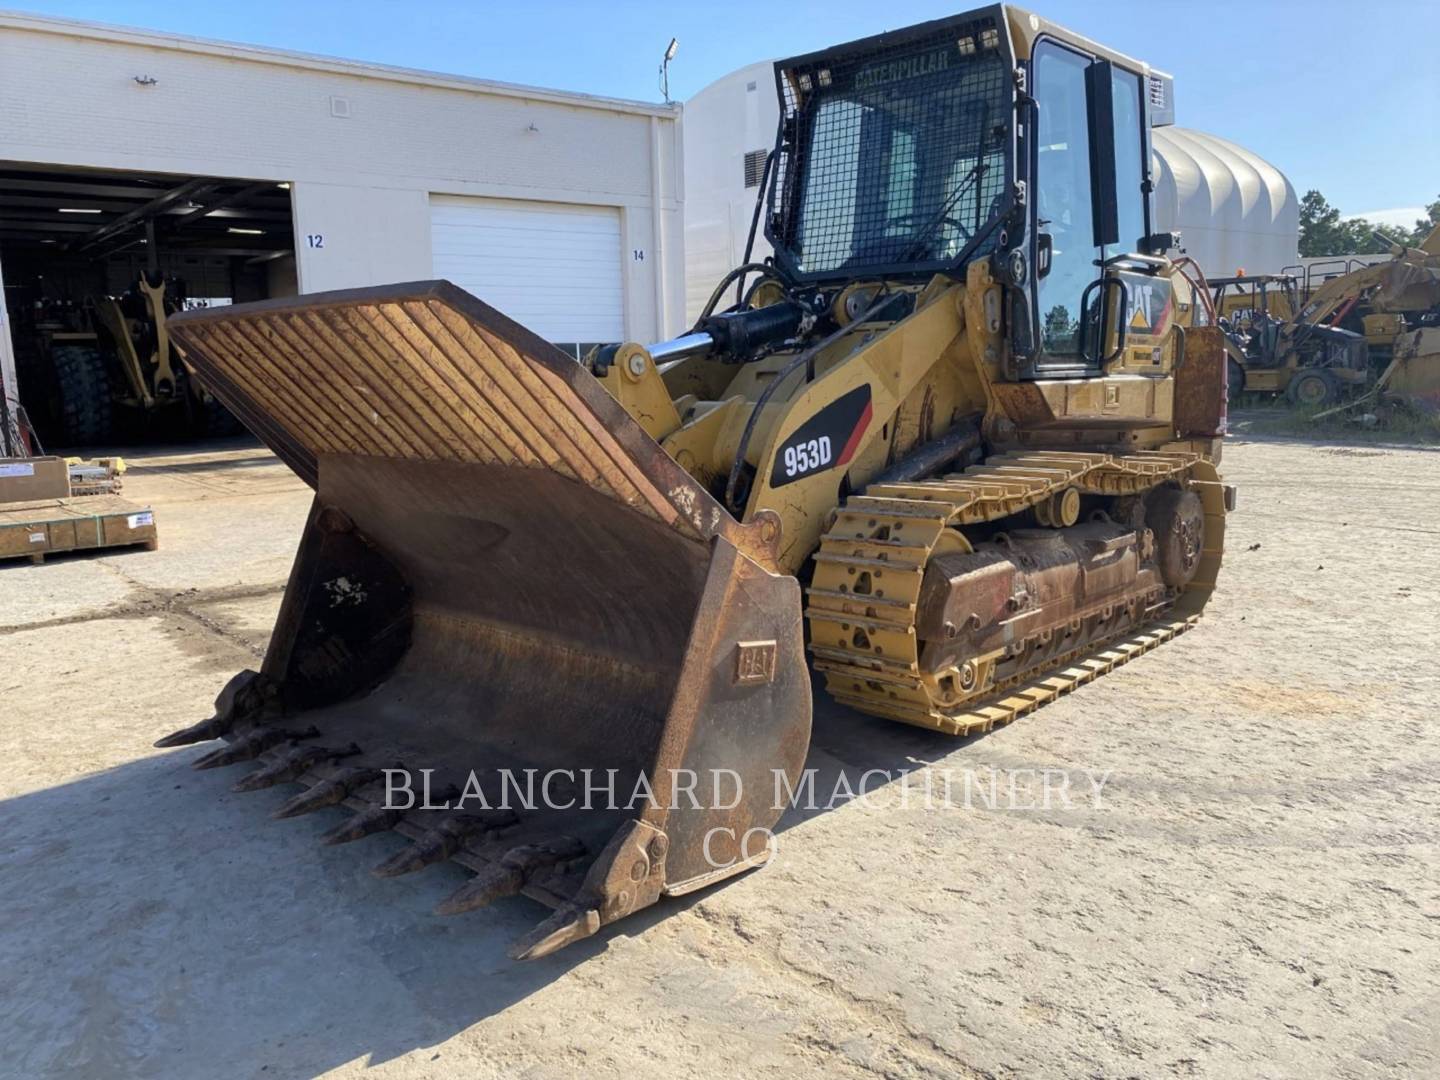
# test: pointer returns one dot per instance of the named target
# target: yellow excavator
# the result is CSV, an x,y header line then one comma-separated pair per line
x,y
957,441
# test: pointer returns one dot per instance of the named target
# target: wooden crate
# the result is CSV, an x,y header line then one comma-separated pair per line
x,y
30,480
40,527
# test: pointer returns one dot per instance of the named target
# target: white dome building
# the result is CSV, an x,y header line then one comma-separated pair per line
x,y
1234,209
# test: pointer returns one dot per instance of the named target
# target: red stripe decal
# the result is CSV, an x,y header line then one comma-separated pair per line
x,y
1164,315
853,443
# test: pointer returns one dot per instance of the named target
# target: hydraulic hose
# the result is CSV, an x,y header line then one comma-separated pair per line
x,y
744,268
801,359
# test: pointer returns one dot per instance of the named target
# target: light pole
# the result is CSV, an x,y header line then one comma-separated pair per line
x,y
665,68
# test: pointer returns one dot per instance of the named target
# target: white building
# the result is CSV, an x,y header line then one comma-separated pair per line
x,y
729,127
1235,210
263,172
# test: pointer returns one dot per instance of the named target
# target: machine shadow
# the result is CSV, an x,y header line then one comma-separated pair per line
x,y
159,920
852,752
260,459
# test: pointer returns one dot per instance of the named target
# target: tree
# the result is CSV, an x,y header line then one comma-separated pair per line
x,y
1324,232
1426,225
1060,329
1321,231
1376,239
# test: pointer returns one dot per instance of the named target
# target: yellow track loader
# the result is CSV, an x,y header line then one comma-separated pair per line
x,y
957,441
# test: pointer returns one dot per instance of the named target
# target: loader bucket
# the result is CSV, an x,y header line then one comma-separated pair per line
x,y
1414,374
506,582
1411,379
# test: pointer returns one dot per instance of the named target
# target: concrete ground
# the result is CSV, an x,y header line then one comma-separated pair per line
x,y
1257,891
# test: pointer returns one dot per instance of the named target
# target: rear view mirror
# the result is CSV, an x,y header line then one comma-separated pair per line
x,y
1159,243
1100,109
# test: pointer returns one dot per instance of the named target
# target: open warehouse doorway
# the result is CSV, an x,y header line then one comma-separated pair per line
x,y
93,260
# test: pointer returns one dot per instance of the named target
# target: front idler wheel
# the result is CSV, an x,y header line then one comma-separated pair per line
x,y
1177,519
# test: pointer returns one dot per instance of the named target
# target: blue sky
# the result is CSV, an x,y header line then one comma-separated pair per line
x,y
1342,96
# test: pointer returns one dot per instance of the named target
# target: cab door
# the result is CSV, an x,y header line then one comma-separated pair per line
x,y
1091,177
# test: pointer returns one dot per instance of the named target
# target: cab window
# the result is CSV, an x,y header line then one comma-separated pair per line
x,y
1130,168
1071,259
1063,198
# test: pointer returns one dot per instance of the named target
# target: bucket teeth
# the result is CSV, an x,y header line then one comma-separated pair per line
x,y
443,841
435,846
245,696
245,748
480,821
204,731
570,924
376,819
330,792
249,746
483,890
290,765
508,876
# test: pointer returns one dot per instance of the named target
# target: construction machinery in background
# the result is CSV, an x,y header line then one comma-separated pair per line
x,y
109,364
1371,332
958,440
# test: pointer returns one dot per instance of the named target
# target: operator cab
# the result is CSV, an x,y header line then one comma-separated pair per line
x,y
992,134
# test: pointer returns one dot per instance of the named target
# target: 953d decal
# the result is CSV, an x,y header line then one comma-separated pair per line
x,y
827,440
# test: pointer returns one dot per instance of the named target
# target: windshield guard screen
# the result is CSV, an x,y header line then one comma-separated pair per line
x,y
898,159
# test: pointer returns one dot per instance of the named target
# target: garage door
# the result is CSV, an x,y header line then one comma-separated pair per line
x,y
550,267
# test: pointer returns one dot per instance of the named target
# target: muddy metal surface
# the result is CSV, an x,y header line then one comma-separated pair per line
x,y
1255,891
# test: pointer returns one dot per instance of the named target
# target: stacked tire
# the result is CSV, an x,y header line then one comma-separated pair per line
x,y
86,411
